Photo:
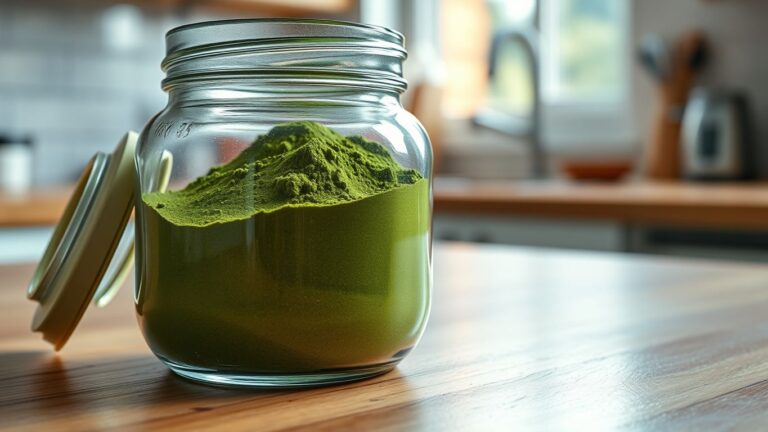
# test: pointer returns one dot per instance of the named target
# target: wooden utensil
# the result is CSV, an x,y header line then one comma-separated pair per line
x,y
687,58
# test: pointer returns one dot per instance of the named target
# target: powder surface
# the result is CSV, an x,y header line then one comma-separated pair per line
x,y
295,164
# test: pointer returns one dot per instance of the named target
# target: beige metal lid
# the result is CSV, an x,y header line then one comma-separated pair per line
x,y
83,243
91,250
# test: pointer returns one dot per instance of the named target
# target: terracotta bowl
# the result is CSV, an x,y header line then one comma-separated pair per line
x,y
596,171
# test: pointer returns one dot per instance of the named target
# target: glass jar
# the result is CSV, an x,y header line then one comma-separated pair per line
x,y
293,244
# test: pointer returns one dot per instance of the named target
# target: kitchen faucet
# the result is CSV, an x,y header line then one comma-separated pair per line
x,y
512,125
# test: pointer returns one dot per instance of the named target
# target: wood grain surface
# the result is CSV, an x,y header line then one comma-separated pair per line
x,y
518,338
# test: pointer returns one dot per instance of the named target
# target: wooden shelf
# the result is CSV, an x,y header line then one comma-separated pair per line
x,y
725,206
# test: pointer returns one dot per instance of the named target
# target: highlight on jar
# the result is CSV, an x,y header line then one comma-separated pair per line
x,y
282,201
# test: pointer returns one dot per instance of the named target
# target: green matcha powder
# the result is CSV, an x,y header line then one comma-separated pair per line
x,y
307,252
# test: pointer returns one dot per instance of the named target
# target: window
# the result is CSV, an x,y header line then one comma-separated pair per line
x,y
584,59
583,42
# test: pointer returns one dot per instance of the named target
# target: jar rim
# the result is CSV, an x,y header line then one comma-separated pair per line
x,y
286,50
232,30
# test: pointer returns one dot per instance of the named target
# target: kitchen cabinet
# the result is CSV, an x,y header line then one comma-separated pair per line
x,y
283,8
530,231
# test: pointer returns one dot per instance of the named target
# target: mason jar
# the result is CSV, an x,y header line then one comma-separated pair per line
x,y
292,244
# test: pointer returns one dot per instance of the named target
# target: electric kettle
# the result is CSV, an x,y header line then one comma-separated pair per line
x,y
716,137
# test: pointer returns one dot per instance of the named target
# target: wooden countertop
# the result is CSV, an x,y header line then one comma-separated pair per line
x,y
717,205
35,208
518,339
725,206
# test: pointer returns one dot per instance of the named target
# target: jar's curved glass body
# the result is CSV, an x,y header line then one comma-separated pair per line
x,y
301,294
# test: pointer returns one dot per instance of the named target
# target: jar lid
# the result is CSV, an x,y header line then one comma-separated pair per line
x,y
91,250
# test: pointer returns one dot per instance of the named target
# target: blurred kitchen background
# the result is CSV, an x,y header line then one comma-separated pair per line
x,y
625,125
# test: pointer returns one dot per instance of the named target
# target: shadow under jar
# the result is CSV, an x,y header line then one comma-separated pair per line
x,y
293,244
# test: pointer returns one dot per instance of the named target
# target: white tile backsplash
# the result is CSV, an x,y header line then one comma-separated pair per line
x,y
61,83
56,147
31,69
5,27
47,24
51,113
47,166
103,73
6,117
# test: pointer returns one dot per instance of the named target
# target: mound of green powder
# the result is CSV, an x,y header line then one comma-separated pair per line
x,y
307,253
295,164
